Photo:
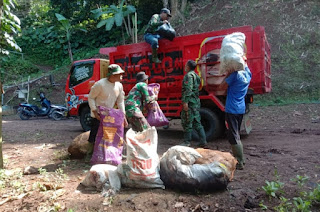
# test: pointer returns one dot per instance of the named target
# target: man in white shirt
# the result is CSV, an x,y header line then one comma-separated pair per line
x,y
106,92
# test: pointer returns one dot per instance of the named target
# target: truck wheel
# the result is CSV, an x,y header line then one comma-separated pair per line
x,y
211,123
85,118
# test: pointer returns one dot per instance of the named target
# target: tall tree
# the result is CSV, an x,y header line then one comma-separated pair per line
x,y
65,23
9,25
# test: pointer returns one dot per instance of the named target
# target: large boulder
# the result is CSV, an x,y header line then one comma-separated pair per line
x,y
80,146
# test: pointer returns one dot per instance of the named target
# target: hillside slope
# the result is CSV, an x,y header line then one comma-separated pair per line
x,y
292,29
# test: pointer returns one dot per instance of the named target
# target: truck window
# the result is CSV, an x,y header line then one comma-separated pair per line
x,y
80,73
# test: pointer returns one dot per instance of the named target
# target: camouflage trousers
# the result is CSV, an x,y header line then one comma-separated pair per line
x,y
138,122
190,120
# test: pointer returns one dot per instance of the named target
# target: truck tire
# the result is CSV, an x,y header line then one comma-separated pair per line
x,y
85,118
211,123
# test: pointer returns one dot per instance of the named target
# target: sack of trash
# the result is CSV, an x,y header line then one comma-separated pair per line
x,y
80,146
109,140
226,158
155,116
166,31
103,177
179,171
141,169
232,52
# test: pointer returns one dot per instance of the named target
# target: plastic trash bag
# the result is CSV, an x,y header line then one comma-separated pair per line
x,y
166,31
142,167
179,171
109,141
232,52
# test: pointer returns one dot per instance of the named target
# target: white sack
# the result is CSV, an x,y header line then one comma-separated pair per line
x,y
103,177
232,52
142,167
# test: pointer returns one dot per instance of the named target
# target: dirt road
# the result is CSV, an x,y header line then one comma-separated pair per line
x,y
284,143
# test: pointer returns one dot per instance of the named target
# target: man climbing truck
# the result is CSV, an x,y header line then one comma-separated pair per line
x,y
169,74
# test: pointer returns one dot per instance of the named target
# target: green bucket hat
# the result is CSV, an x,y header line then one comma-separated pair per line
x,y
114,69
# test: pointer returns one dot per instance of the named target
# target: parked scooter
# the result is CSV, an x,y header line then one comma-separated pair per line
x,y
57,112
26,110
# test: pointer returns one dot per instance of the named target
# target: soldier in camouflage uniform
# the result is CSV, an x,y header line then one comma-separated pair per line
x,y
190,116
150,34
136,101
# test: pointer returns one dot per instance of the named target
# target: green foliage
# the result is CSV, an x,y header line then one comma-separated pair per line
x,y
300,180
112,14
284,206
301,205
14,68
272,188
9,25
295,71
263,206
314,195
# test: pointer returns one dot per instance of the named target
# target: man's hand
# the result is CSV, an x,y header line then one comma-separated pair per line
x,y
185,106
96,114
165,21
155,97
125,122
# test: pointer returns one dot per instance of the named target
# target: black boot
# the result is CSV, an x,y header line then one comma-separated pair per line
x,y
203,139
187,139
237,151
155,58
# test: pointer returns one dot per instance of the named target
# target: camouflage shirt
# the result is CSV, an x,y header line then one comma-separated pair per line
x,y
153,24
190,89
137,99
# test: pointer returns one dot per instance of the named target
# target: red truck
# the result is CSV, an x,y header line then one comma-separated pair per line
x,y
169,74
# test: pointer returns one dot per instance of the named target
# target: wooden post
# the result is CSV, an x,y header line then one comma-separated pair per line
x,y
28,89
1,156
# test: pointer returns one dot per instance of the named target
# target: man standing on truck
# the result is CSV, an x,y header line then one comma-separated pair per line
x,y
190,116
137,99
106,92
238,83
151,36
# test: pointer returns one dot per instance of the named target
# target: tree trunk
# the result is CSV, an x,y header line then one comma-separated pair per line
x,y
1,156
165,3
174,7
70,51
177,10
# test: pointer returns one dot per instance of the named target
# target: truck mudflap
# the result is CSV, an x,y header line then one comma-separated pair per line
x,y
247,123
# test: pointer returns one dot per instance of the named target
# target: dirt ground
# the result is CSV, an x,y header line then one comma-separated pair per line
x,y
284,143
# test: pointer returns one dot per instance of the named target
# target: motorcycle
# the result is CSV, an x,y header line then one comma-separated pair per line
x,y
57,112
26,110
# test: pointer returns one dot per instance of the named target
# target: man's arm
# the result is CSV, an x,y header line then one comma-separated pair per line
x,y
120,99
144,91
120,103
94,92
154,21
187,91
